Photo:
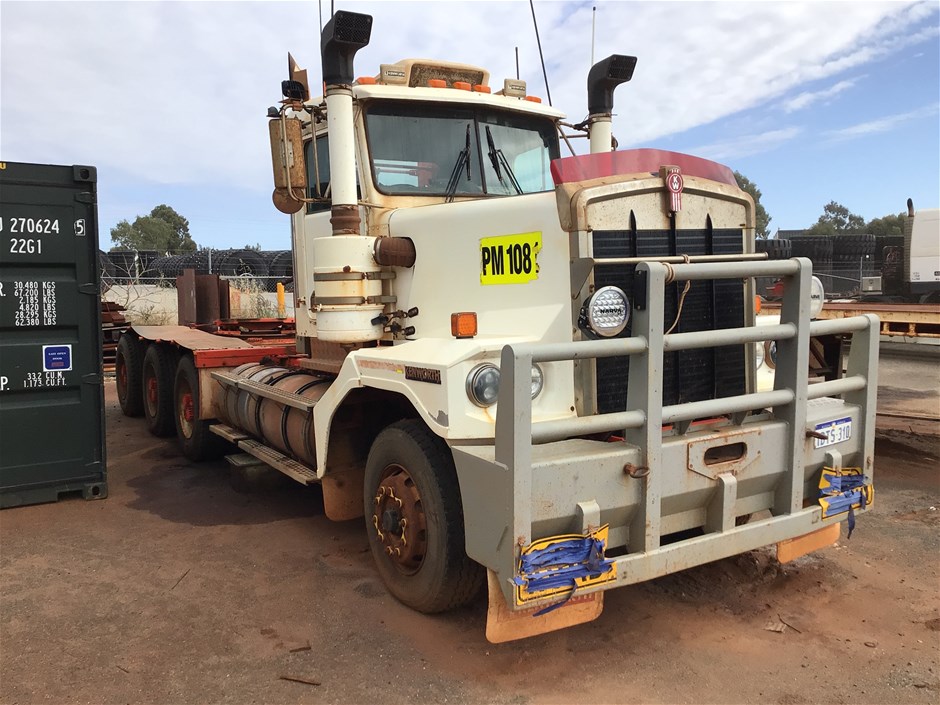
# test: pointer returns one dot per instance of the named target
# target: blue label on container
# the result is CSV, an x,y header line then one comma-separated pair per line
x,y
56,358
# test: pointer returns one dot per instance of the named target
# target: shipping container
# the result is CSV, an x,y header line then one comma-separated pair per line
x,y
51,384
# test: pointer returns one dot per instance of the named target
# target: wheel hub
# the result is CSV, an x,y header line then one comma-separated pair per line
x,y
399,520
186,413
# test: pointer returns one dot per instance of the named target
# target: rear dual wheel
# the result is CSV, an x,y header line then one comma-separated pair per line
x,y
128,368
196,440
158,369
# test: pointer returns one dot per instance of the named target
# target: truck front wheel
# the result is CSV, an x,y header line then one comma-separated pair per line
x,y
414,520
157,376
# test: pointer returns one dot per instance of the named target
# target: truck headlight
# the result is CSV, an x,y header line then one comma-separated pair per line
x,y
817,297
538,381
483,384
770,354
605,313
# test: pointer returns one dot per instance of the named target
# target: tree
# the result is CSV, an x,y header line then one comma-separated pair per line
x,y
887,225
163,230
761,216
836,219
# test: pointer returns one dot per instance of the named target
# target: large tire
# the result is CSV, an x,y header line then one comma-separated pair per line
x,y
197,442
410,476
157,384
128,366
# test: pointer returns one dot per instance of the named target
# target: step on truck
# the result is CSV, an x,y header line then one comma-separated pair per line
x,y
529,374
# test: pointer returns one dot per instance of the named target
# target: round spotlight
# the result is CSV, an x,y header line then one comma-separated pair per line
x,y
817,297
606,313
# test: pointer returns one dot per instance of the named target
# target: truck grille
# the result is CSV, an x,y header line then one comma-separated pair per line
x,y
688,375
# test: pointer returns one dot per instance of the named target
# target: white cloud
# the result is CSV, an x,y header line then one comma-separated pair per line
x,y
807,98
176,92
747,145
885,124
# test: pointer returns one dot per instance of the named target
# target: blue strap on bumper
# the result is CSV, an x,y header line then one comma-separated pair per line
x,y
841,491
562,564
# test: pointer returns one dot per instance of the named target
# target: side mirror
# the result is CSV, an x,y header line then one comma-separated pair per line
x,y
287,158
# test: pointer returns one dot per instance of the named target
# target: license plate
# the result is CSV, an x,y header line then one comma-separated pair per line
x,y
834,431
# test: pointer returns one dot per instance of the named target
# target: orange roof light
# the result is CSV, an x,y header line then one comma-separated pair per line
x,y
757,302
533,99
437,83
480,88
366,81
463,324
461,85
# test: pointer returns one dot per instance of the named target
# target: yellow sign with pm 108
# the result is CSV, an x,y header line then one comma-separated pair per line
x,y
510,259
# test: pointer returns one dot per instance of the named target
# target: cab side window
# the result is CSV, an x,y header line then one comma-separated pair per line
x,y
318,172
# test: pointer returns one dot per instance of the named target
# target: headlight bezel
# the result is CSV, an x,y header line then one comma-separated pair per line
x,y
759,355
537,371
475,376
482,400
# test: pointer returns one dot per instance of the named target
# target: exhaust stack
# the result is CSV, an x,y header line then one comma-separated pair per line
x,y
347,284
603,78
344,35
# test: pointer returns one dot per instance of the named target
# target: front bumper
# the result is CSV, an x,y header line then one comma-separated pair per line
x,y
669,474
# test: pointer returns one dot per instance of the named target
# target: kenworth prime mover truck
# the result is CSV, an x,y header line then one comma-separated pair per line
x,y
524,371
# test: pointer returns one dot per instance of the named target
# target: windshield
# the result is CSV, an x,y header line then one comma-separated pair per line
x,y
421,149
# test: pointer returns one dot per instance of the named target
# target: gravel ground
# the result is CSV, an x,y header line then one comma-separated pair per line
x,y
178,589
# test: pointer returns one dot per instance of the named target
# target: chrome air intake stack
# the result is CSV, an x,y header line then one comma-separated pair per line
x,y
347,288
604,76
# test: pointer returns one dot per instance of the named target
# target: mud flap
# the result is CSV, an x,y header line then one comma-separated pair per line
x,y
342,495
502,624
791,549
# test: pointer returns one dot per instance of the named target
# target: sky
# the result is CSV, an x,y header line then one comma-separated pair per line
x,y
812,101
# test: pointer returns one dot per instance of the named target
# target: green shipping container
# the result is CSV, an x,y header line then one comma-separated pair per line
x,y
51,384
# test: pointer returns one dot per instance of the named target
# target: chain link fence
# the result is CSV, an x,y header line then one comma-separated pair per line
x,y
143,282
842,262
148,267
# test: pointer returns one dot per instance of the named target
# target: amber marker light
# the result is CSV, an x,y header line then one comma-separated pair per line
x,y
463,324
461,85
437,83
480,88
757,304
533,99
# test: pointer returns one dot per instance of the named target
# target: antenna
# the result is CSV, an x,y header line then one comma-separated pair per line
x,y
517,63
541,56
593,25
320,12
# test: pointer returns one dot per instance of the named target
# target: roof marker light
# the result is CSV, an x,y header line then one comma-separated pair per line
x,y
480,88
437,83
366,81
461,85
533,99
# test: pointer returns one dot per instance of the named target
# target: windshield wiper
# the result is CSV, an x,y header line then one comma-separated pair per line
x,y
463,159
498,159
